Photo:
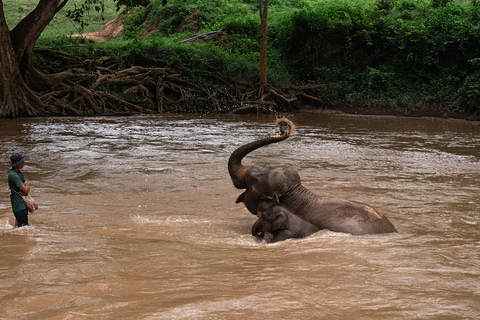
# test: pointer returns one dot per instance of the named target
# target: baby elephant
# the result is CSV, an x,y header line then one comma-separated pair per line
x,y
282,225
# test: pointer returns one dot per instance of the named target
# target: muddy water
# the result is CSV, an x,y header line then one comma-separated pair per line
x,y
138,221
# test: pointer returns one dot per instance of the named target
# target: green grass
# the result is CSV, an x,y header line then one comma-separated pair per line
x,y
16,10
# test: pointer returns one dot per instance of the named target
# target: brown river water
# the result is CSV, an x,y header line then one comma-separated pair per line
x,y
138,220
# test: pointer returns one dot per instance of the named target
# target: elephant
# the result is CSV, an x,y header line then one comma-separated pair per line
x,y
264,183
282,224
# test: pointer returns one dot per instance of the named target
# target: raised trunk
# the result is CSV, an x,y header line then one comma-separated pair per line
x,y
238,171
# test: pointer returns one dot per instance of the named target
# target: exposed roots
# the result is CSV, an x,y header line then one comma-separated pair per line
x,y
104,87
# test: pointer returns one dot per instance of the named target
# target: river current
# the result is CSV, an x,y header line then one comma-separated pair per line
x,y
138,220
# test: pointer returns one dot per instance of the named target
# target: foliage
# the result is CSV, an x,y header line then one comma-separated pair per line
x,y
467,98
397,54
369,55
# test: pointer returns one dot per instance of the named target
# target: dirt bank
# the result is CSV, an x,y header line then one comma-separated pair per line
x,y
110,30
429,111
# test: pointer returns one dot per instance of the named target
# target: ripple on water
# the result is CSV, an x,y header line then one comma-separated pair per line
x,y
138,220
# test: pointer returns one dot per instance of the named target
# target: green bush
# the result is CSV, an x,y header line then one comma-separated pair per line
x,y
390,55
386,57
467,98
248,26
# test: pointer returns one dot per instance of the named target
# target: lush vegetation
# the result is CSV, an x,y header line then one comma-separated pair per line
x,y
15,10
403,55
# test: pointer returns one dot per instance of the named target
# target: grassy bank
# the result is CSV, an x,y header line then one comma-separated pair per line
x,y
61,25
405,55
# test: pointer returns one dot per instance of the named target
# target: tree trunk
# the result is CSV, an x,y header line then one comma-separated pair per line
x,y
263,45
16,51
13,101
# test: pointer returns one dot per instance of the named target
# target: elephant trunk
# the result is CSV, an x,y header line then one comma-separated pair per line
x,y
256,228
238,171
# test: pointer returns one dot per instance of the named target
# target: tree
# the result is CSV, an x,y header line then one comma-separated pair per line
x,y
263,44
265,90
20,82
16,50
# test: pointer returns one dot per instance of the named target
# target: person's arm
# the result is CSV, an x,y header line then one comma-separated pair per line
x,y
24,188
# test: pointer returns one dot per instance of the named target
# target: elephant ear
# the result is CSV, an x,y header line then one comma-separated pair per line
x,y
280,180
241,197
281,191
280,222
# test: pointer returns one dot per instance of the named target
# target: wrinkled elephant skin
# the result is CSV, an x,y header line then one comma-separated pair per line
x,y
264,183
282,225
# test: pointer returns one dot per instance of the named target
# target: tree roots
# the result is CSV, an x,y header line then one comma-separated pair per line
x,y
103,87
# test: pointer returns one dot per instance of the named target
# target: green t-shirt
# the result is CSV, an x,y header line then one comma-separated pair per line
x,y
15,180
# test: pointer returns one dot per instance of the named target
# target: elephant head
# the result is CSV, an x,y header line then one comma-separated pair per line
x,y
272,220
282,224
261,182
237,171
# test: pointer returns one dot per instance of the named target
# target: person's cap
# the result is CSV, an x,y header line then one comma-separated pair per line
x,y
17,158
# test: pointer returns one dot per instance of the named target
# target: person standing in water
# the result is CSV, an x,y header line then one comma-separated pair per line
x,y
18,187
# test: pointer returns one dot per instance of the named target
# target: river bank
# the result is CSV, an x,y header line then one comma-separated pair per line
x,y
414,58
113,85
431,112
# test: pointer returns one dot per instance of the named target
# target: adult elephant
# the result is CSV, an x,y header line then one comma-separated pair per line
x,y
264,183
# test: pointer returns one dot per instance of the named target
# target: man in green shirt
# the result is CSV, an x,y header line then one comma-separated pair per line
x,y
18,187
